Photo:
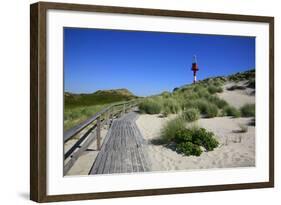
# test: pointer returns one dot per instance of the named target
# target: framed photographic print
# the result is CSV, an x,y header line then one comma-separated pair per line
x,y
134,102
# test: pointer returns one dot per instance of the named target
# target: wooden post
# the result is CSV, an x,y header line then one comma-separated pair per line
x,y
124,109
98,133
108,118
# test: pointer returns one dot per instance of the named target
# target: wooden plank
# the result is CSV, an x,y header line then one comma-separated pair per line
x,y
133,160
95,166
108,163
123,152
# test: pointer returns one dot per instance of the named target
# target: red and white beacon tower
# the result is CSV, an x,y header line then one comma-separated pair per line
x,y
194,68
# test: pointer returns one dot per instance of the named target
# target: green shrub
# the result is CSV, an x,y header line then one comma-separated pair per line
x,y
169,131
171,106
150,106
248,110
231,111
188,148
211,110
183,135
191,114
201,137
189,141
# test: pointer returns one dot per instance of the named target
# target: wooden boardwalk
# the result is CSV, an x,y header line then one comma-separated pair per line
x,y
123,149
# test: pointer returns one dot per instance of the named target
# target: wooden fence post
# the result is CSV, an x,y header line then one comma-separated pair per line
x,y
98,133
108,118
124,109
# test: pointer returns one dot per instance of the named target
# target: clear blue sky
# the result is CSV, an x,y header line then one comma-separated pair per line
x,y
148,63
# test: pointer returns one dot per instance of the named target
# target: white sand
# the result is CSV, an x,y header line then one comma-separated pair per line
x,y
237,98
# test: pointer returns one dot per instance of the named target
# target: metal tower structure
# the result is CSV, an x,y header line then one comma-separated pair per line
x,y
194,68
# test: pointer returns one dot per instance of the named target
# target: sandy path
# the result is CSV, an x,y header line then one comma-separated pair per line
x,y
231,153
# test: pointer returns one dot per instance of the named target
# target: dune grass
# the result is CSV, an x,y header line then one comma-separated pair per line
x,y
169,131
150,106
231,111
248,110
74,116
191,114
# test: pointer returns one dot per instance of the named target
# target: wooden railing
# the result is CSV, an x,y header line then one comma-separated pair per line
x,y
90,130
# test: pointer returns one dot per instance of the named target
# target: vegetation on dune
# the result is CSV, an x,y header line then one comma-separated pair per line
x,y
150,106
191,114
231,111
190,140
170,106
99,97
215,89
240,76
248,110
251,83
202,96
169,131
74,116
236,87
193,101
79,107
212,111
188,148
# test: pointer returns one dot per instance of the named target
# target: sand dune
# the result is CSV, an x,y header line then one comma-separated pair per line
x,y
237,98
235,149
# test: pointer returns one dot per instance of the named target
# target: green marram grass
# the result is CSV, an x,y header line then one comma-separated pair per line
x,y
248,110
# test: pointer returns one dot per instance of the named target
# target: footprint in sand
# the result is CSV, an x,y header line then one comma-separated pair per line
x,y
225,155
237,159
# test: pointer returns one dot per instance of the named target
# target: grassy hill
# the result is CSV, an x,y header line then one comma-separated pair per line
x,y
79,107
99,97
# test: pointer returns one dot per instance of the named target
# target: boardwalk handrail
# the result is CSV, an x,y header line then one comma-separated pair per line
x,y
92,126
78,128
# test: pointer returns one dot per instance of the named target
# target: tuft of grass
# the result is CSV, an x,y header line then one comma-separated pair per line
x,y
171,106
211,110
248,110
150,106
191,114
231,111
214,89
220,103
168,132
200,104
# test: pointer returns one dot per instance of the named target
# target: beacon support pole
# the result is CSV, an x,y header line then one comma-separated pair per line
x,y
194,68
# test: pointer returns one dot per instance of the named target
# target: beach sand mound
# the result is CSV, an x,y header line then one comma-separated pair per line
x,y
235,150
